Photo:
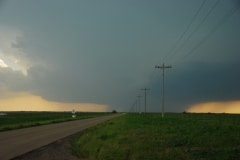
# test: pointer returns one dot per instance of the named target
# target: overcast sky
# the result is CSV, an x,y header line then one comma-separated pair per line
x,y
105,51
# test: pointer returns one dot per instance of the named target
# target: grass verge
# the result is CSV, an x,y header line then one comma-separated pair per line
x,y
17,120
150,137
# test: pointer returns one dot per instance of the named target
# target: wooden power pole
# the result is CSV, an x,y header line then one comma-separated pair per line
x,y
163,67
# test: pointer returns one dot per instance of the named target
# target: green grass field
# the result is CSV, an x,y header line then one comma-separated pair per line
x,y
150,137
16,120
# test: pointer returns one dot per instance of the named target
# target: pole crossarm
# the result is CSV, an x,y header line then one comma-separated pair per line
x,y
163,67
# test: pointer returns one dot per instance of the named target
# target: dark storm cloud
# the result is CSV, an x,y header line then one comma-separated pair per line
x,y
103,52
201,82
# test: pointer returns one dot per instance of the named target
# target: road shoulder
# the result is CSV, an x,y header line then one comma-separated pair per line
x,y
58,150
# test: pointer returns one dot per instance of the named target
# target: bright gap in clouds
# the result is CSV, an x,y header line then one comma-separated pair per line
x,y
13,64
3,64
216,107
12,57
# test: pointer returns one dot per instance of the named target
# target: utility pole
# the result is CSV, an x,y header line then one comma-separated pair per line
x,y
139,104
163,67
145,96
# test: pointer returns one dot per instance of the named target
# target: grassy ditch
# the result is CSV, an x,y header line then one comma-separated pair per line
x,y
150,137
16,120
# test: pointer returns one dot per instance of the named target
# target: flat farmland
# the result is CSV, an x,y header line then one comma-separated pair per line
x,y
17,120
151,137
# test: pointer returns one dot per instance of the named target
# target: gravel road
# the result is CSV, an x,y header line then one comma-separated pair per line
x,y
18,142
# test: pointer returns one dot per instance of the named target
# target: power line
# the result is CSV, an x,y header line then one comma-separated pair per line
x,y
197,28
163,67
217,26
185,31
